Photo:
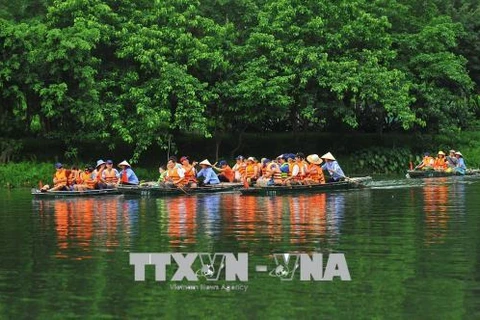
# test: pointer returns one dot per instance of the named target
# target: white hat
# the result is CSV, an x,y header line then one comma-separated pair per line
x,y
314,158
251,159
124,163
328,156
206,162
99,163
441,152
459,153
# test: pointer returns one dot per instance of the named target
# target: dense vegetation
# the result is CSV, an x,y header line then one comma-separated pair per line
x,y
141,72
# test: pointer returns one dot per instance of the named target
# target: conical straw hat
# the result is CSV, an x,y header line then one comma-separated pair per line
x,y
328,156
206,162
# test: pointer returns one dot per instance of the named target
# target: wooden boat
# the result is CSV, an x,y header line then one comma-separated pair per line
x,y
350,183
437,174
64,194
160,191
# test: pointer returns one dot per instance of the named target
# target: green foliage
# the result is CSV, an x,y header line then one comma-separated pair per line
x,y
383,160
25,174
143,71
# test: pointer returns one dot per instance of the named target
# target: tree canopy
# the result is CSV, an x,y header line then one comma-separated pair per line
x,y
141,71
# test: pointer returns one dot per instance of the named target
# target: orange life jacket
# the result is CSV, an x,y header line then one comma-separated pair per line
x,y
440,163
315,173
189,173
426,162
240,167
250,171
73,177
60,177
228,173
110,176
173,174
88,180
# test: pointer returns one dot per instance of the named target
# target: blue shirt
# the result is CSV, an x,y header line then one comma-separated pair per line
x,y
209,175
131,176
461,164
334,169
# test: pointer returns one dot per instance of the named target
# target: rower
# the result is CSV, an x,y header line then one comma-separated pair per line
x,y
333,168
127,176
209,176
461,167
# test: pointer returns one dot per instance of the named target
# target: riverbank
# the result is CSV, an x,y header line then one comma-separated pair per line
x,y
358,154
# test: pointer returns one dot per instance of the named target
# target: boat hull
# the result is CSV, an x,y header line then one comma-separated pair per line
x,y
155,191
438,174
67,194
352,183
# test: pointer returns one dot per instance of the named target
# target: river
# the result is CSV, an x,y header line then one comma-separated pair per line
x,y
411,248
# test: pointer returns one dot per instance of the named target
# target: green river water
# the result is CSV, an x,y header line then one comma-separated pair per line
x,y
412,249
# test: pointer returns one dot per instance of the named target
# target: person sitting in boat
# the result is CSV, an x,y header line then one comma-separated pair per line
x,y
440,163
284,168
452,159
239,168
427,162
259,165
269,169
461,167
73,177
163,175
189,171
86,180
314,173
127,176
251,171
175,175
331,165
297,169
226,172
98,175
209,176
59,179
110,175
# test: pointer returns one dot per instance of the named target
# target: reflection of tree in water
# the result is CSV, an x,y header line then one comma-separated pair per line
x,y
435,207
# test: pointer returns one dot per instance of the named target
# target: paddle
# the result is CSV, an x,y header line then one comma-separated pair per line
x,y
181,188
350,179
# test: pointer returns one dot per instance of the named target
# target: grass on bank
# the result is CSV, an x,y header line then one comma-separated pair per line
x,y
29,174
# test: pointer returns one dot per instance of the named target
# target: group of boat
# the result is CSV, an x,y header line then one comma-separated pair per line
x,y
246,188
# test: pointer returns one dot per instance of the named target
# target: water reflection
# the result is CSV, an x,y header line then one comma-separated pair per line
x,y
82,224
182,225
438,198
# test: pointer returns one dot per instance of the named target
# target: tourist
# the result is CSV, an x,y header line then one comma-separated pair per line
x,y
110,175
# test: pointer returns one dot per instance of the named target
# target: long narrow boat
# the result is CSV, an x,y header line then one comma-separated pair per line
x,y
350,183
157,191
438,174
65,194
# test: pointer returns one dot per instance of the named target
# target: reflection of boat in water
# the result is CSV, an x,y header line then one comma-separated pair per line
x,y
64,194
438,174
351,183
155,191
82,225
436,207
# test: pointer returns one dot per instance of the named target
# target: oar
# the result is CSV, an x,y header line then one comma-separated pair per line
x,y
181,188
349,179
